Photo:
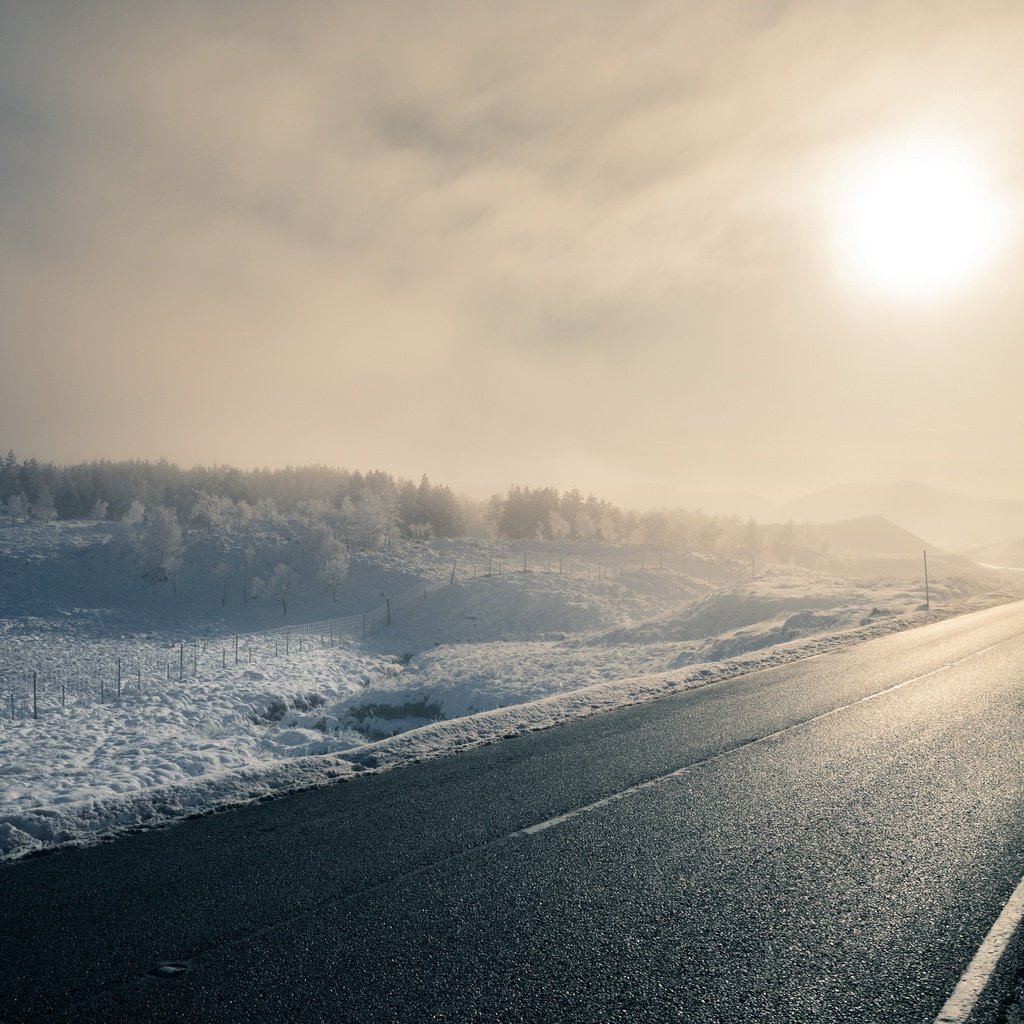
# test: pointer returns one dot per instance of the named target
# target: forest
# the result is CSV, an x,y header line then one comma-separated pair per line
x,y
362,510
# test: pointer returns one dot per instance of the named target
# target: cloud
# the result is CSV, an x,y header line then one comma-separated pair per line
x,y
300,222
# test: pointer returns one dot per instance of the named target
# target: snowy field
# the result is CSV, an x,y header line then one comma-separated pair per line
x,y
197,726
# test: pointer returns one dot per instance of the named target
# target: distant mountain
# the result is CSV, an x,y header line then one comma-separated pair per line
x,y
870,535
952,521
644,497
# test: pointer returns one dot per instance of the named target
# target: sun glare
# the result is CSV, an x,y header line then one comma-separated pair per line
x,y
918,224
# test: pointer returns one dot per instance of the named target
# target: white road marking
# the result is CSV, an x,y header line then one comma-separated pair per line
x,y
622,794
961,1003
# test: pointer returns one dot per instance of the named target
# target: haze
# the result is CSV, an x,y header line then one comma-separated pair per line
x,y
590,244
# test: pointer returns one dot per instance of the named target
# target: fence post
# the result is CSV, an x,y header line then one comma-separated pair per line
x,y
181,663
287,640
138,678
236,650
118,678
452,580
35,708
62,695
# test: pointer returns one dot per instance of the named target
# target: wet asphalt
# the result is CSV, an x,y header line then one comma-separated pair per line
x,y
825,857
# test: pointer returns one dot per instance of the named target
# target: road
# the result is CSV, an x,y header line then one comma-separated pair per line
x,y
829,840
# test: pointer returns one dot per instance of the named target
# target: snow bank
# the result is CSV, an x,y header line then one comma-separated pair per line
x,y
90,820
482,659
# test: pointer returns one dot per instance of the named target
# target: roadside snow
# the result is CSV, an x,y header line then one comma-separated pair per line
x,y
482,659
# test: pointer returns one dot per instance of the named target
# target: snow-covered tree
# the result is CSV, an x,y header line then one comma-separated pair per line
x,y
558,525
160,544
335,567
373,519
99,510
585,528
213,510
284,583
17,506
135,514
607,529
43,509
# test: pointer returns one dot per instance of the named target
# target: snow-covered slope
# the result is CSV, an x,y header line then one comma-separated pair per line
x,y
207,729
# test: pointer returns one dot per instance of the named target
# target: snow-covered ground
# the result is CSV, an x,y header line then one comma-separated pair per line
x,y
485,657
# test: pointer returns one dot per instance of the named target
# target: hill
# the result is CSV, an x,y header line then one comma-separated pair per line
x,y
869,536
952,521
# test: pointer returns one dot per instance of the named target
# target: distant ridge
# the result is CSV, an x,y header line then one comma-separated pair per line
x,y
952,521
871,535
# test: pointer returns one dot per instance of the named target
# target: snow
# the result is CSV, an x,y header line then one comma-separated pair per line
x,y
471,662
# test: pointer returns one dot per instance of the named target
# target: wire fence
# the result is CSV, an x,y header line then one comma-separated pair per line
x,y
131,669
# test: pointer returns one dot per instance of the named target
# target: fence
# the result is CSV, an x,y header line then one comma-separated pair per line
x,y
133,668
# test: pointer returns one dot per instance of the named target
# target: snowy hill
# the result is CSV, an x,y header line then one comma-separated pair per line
x,y
153,703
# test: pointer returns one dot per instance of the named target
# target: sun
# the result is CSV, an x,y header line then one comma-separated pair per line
x,y
918,223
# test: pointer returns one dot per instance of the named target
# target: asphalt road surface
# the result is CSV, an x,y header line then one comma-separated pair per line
x,y
829,840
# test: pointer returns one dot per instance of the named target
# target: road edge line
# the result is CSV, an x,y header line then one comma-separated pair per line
x,y
961,1003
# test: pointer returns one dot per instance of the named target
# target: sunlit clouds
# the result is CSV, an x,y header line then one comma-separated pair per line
x,y
567,243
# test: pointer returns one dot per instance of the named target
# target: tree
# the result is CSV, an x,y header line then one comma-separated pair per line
x,y
221,571
372,519
335,567
43,508
709,533
557,526
786,541
283,585
752,542
135,514
584,526
17,506
160,547
213,510
99,510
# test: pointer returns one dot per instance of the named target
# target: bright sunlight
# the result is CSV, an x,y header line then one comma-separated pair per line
x,y
918,223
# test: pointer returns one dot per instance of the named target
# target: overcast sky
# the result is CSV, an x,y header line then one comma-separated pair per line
x,y
570,243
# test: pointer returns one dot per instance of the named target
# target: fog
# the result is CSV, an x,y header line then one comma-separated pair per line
x,y
585,244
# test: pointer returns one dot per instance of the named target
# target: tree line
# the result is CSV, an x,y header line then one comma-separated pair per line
x,y
365,510
106,489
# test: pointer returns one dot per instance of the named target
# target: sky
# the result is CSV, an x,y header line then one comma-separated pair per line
x,y
566,243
